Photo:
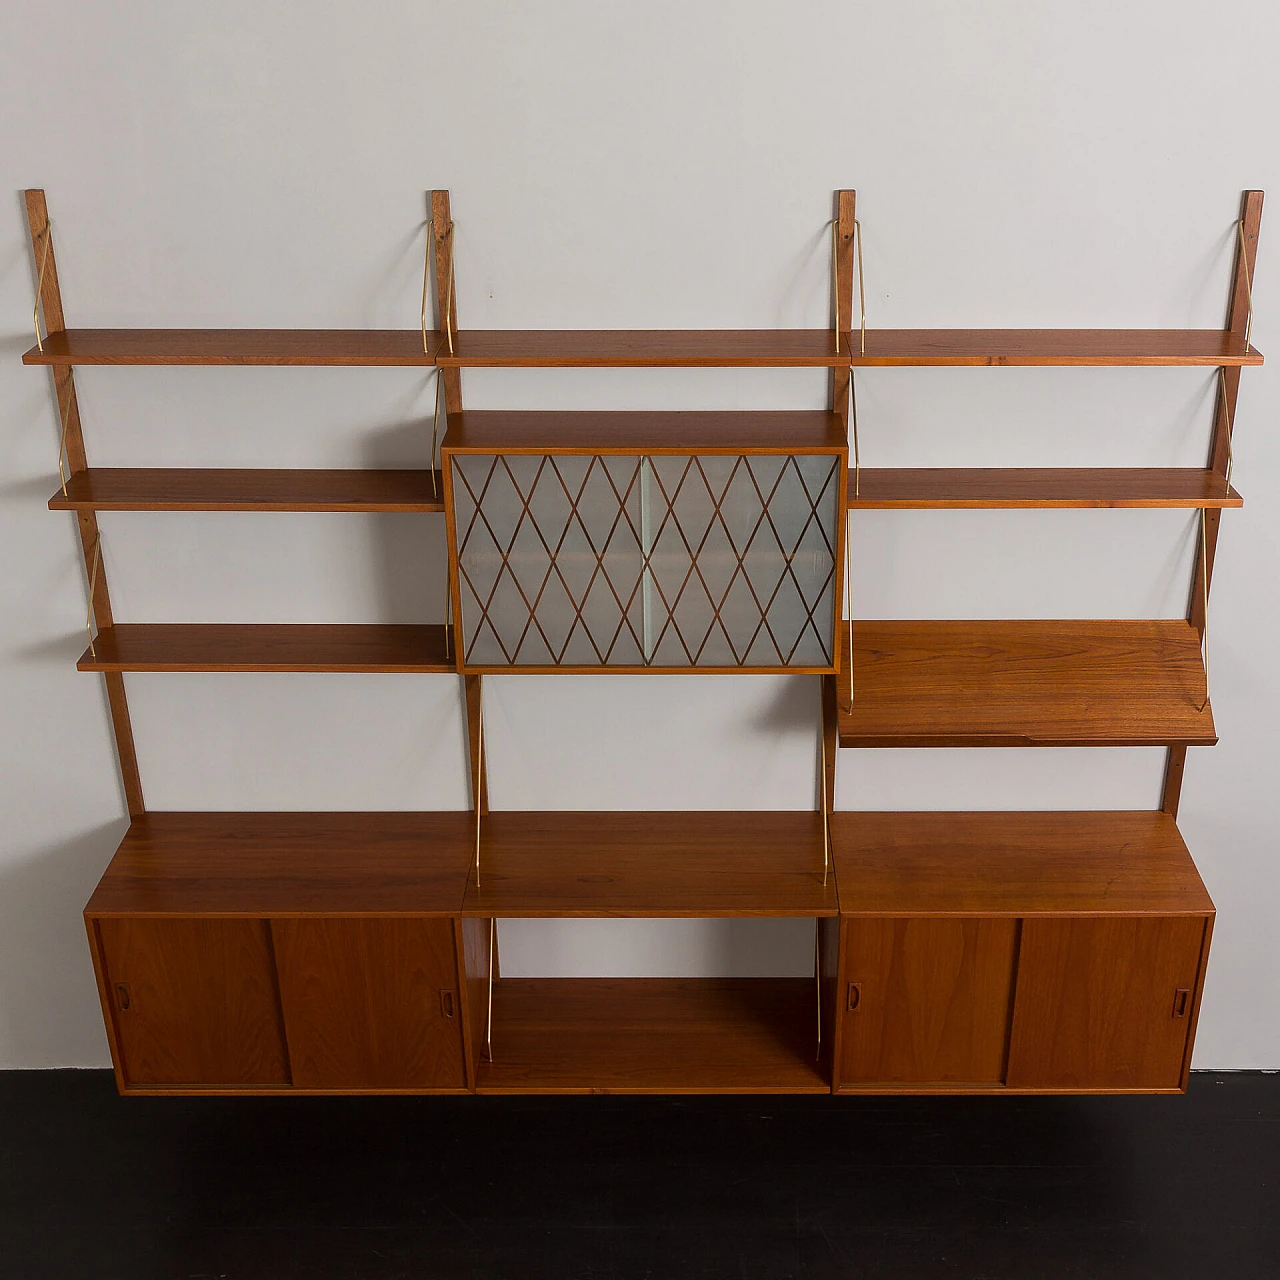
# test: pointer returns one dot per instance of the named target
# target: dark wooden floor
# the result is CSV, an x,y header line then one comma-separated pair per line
x,y
100,1188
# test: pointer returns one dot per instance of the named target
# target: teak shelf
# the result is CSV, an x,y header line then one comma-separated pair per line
x,y
178,646
925,488
1043,347
392,347
241,953
263,489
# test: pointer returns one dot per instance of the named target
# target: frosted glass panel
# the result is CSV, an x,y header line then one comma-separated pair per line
x,y
669,562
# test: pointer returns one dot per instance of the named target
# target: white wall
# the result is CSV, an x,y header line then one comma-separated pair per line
x,y
619,165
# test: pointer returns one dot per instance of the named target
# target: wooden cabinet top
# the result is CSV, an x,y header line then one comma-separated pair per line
x,y
1019,864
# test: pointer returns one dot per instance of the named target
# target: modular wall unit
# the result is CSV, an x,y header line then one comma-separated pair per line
x,y
953,952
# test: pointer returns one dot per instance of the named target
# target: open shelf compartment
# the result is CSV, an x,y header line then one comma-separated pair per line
x,y
654,1035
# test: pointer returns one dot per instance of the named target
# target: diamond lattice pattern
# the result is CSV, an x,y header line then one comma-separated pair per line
x,y
668,562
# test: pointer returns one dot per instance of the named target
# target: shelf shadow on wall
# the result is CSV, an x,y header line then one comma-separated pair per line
x,y
49,1011
409,553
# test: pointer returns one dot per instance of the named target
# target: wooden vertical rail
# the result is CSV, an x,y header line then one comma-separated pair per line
x,y
441,231
479,785
830,741
1224,418
846,207
69,412
446,296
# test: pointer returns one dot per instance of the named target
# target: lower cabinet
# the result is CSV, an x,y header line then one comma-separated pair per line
x,y
344,1003
1040,1003
192,1002
371,1003
1105,1002
926,1001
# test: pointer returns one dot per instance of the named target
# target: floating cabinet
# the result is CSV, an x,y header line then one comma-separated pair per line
x,y
927,1000
692,542
1106,1003
192,1003
1038,951
371,1003
314,951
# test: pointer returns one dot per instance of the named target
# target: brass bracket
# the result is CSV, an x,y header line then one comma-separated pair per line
x,y
479,774
488,1022
862,291
448,296
1204,587
40,284
817,979
93,590
1248,283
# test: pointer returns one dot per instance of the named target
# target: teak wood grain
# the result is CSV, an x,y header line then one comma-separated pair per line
x,y
651,864
397,347
927,1000
1014,864
645,348
169,646
923,488
286,864
653,1035
194,1002
1104,1003
641,432
274,489
371,1003
1025,683
1054,347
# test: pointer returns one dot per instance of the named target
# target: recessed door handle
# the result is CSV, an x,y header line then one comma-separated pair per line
x,y
124,997
855,997
446,1003
1181,1002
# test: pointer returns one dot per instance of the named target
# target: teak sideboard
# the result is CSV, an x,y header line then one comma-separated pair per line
x,y
953,952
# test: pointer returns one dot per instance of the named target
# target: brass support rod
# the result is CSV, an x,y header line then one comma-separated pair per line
x,y
1204,584
1248,283
826,826
448,296
480,768
44,266
817,979
853,435
426,279
835,275
862,293
1230,426
93,587
488,1022
848,595
435,435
